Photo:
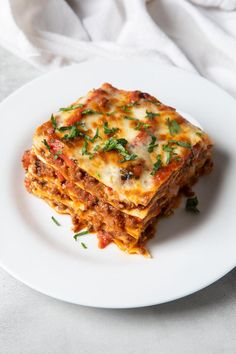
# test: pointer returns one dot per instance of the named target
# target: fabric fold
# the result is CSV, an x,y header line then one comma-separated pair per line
x,y
195,35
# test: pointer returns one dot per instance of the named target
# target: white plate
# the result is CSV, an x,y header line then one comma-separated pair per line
x,y
189,252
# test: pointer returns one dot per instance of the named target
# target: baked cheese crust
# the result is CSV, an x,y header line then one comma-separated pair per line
x,y
127,140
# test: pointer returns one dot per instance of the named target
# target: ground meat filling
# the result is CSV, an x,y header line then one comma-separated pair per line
x,y
114,218
99,216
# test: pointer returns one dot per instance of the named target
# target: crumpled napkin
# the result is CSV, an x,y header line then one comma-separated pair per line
x,y
196,35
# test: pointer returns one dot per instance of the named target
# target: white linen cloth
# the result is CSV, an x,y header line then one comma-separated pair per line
x,y
197,35
52,33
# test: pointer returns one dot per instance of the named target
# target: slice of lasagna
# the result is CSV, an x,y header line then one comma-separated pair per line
x,y
116,161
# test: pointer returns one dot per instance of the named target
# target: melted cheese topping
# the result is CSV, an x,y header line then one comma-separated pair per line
x,y
106,115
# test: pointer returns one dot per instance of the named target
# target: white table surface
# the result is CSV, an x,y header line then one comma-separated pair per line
x,y
32,323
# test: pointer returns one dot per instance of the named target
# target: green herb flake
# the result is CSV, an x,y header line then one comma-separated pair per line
x,y
199,133
126,107
119,145
128,157
97,147
44,141
69,127
98,175
96,135
55,221
173,126
89,111
84,245
152,144
63,129
59,152
82,233
112,143
168,158
54,122
131,118
184,144
169,152
141,125
74,133
72,107
191,205
85,150
167,148
108,130
151,115
156,165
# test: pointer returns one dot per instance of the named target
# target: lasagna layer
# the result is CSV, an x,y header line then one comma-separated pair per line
x,y
117,139
116,161
87,211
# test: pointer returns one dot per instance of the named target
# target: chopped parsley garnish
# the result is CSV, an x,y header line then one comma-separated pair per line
x,y
127,156
169,152
97,147
108,130
46,144
84,148
89,111
54,122
131,118
111,144
156,165
168,157
173,126
82,233
96,135
191,205
184,144
141,125
151,115
84,245
119,145
98,175
59,152
72,107
74,133
199,133
55,221
63,129
126,107
152,144
69,127
110,113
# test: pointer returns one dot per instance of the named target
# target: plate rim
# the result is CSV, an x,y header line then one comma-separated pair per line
x,y
117,307
171,298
